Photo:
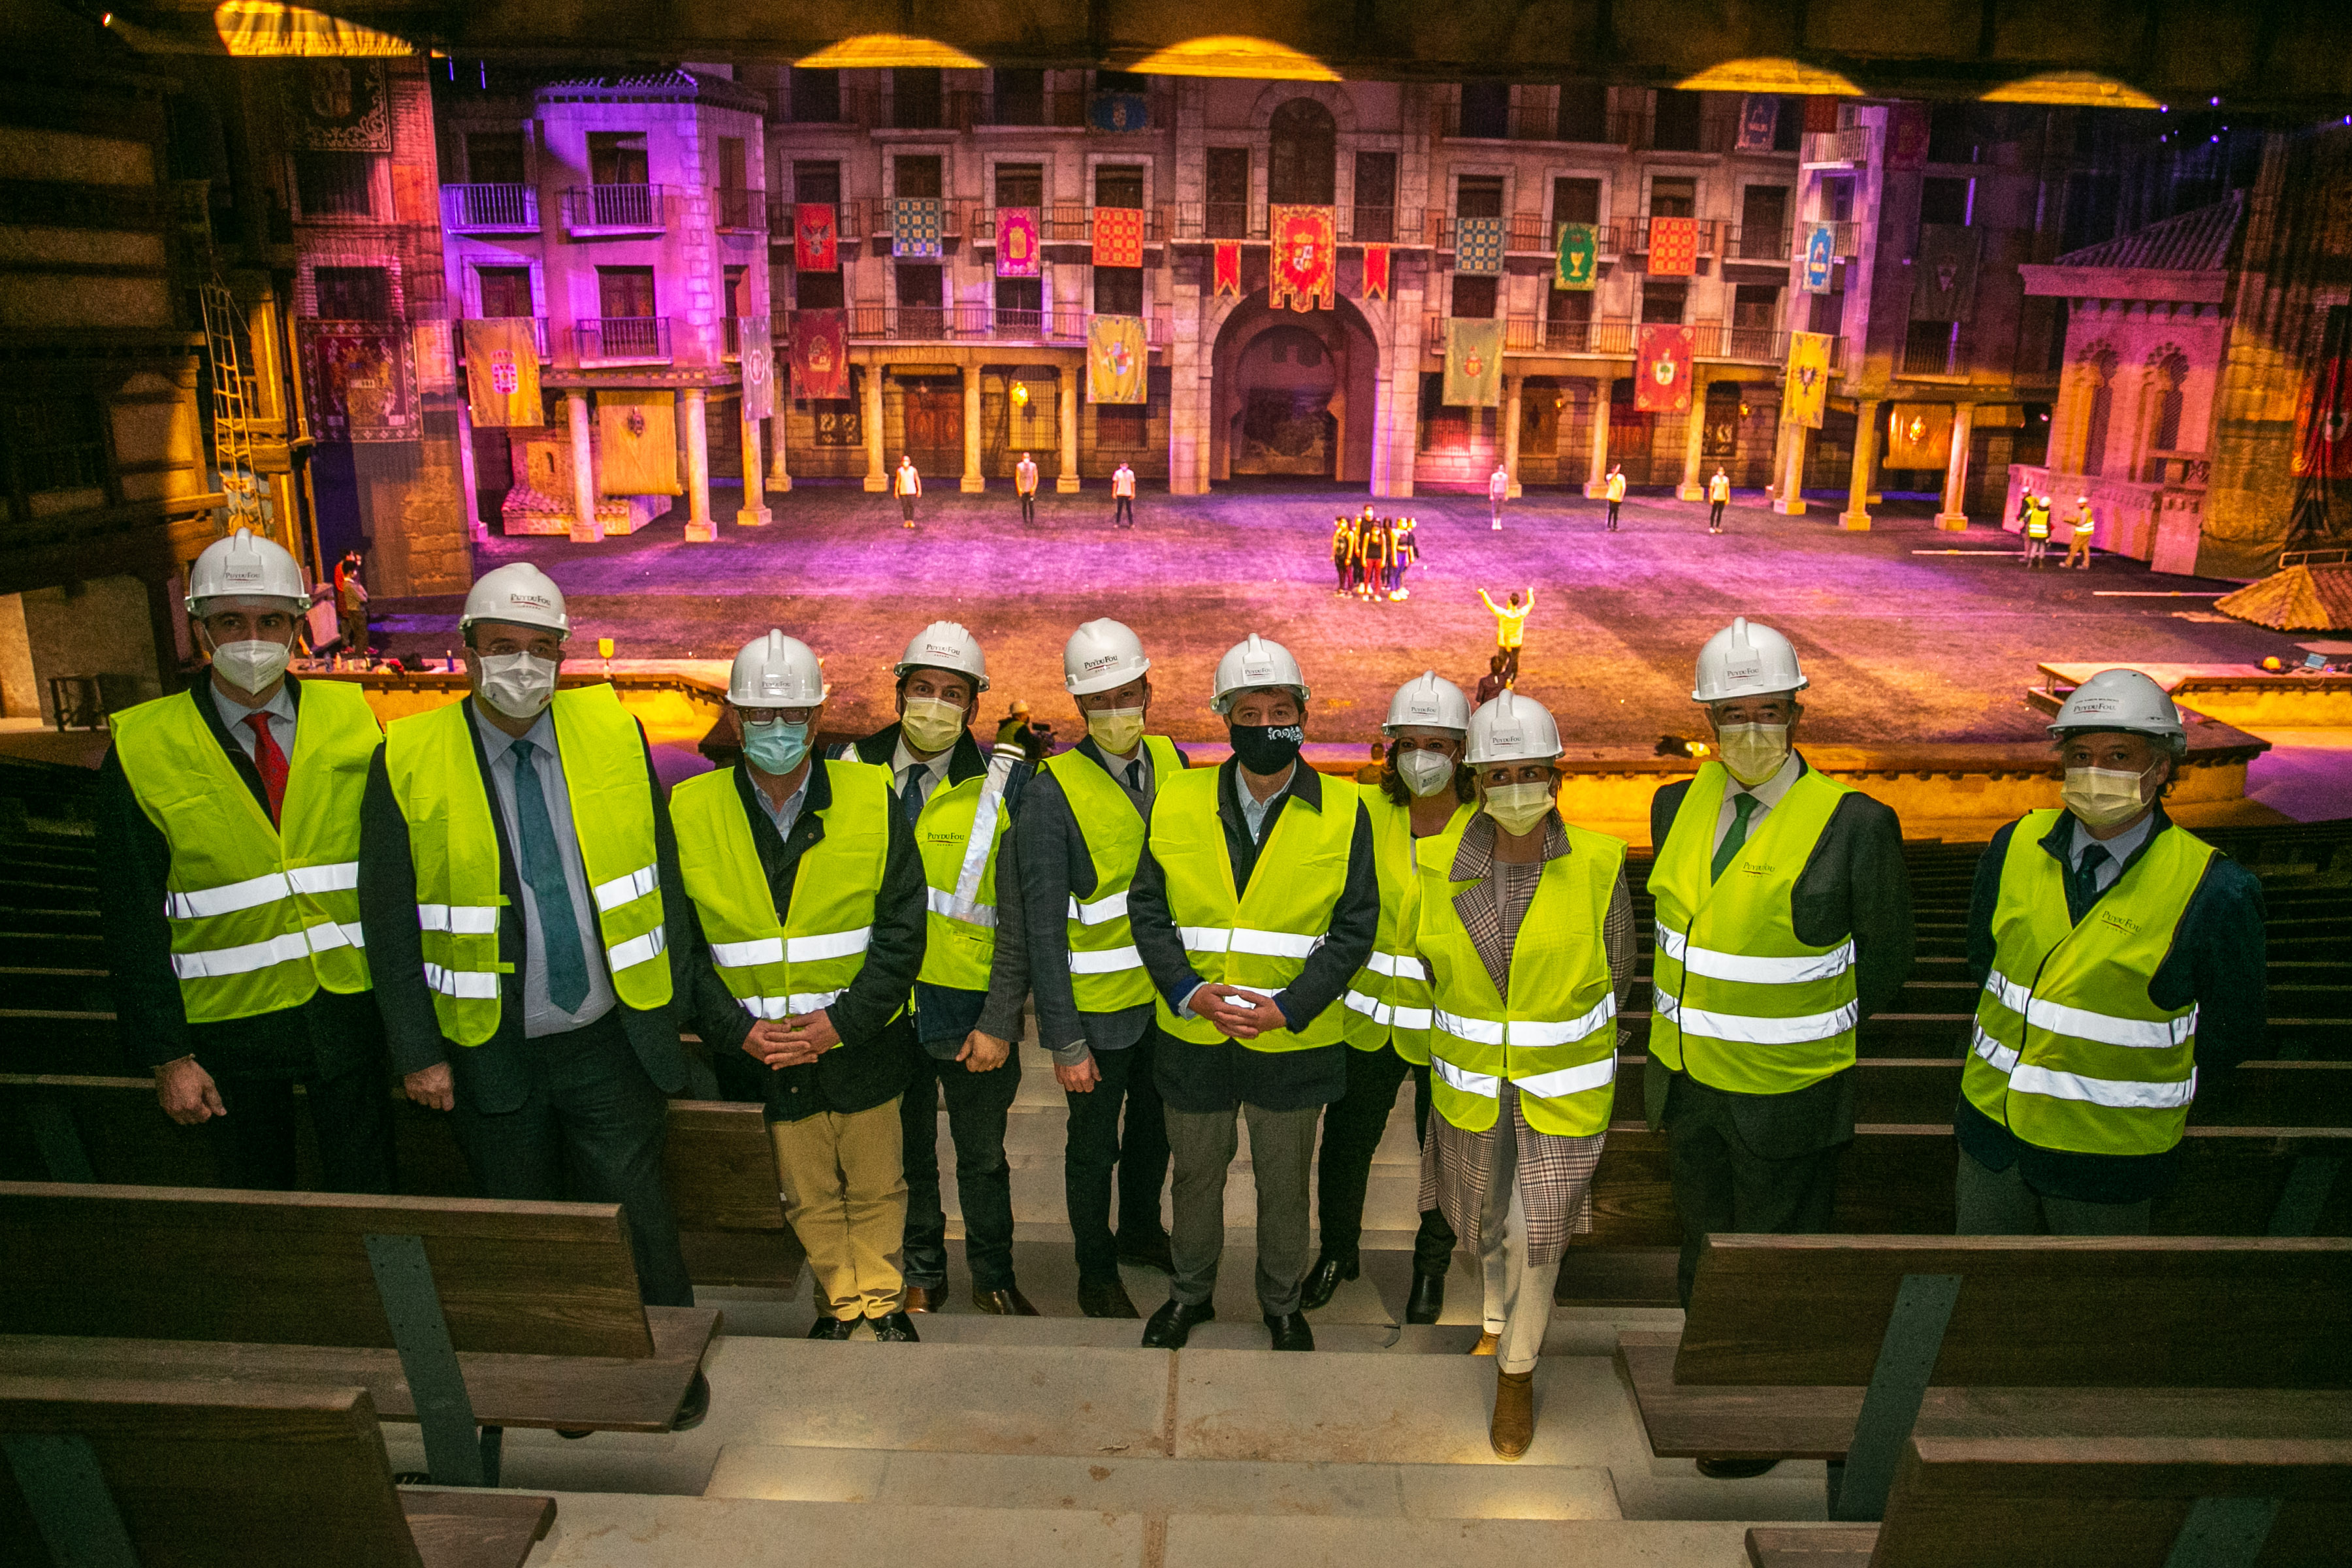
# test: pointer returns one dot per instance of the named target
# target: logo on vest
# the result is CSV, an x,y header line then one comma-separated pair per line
x,y
1752,869
2122,923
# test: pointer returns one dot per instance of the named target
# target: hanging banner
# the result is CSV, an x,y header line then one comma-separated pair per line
x,y
1018,250
2323,413
502,374
1919,435
1120,111
1907,136
1821,257
1944,277
1474,363
337,105
1302,260
1821,115
1759,123
1478,246
1661,378
1376,272
916,224
362,381
817,237
1118,236
638,443
1229,266
1577,264
759,381
1674,247
1806,395
820,353
1116,360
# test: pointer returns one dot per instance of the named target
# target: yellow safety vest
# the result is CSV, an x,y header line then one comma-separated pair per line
x,y
1737,1001
1388,1002
2069,1052
261,914
2037,523
441,791
957,833
803,965
1556,1036
1260,938
1107,973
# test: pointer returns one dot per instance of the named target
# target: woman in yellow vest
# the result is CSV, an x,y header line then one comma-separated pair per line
x,y
228,831
2124,968
2037,527
808,892
1528,931
1423,791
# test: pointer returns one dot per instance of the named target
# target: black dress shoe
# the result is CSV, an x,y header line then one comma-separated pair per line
x,y
1323,1280
694,1407
1290,1331
1148,1252
1106,1299
831,1328
895,1328
1008,1303
1427,1301
1734,1470
1172,1325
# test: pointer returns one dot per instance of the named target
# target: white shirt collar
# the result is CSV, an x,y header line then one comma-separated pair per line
x,y
235,711
2120,848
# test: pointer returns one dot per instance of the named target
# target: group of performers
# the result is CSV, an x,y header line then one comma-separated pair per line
x,y
1371,554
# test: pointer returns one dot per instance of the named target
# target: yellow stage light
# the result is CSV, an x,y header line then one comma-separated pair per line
x,y
874,50
265,29
2084,89
1233,55
1020,394
1770,74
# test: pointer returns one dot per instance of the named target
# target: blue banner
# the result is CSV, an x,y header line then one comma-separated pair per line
x,y
1120,111
1821,252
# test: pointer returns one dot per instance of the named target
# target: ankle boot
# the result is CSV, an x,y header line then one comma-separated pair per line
x,y
1513,1425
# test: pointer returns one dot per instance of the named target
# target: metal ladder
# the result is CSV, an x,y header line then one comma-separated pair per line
x,y
248,505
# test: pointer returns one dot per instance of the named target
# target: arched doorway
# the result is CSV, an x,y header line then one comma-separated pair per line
x,y
1292,394
1302,169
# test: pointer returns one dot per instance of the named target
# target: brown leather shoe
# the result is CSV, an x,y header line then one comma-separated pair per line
x,y
925,1298
1513,1426
1487,1339
1008,1303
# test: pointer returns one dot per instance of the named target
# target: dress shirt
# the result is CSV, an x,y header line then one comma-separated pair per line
x,y
235,711
1768,795
1254,809
2120,849
540,1016
786,814
929,775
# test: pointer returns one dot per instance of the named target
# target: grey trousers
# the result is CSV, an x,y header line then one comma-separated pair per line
x,y
1999,1203
1281,1152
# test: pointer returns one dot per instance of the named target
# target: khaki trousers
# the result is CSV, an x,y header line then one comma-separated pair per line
x,y
846,1197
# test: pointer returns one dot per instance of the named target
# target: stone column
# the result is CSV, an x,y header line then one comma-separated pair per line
x,y
877,478
753,513
1066,482
1596,480
1790,500
1694,441
974,481
698,528
1855,518
585,528
1512,388
1954,517
468,487
780,478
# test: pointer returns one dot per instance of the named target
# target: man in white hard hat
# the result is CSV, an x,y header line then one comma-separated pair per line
x,y
1254,902
228,825
958,802
531,940
808,897
1077,847
2080,528
1784,920
2123,967
1523,1057
1421,791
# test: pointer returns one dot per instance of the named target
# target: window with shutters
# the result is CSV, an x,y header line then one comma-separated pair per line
x,y
335,185
1118,290
816,180
1225,213
617,158
1473,297
363,293
917,174
505,291
1575,201
1020,184
1119,186
1486,109
1303,167
1583,112
1478,196
1376,184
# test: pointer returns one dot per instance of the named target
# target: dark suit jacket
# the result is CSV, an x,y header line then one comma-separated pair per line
x,y
495,1076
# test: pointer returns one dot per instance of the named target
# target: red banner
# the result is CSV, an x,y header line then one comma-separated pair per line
x,y
1674,247
2323,423
816,237
1118,236
1662,380
1907,136
1229,266
820,354
1821,115
1303,251
1376,272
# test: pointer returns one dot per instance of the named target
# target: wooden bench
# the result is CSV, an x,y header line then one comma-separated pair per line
x,y
1822,1347
462,1315
2111,1478
116,1471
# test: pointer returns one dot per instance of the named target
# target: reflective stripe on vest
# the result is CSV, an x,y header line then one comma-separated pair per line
x,y
442,793
1556,1038
803,965
1261,937
2068,1051
1388,1001
1105,971
261,915
1738,1000
959,832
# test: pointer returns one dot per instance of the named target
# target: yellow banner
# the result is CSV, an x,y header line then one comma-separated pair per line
x,y
1807,394
1117,360
502,374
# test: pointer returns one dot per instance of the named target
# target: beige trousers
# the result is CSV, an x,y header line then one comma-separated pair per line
x,y
846,1197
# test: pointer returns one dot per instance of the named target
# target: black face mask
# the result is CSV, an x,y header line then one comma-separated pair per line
x,y
1268,748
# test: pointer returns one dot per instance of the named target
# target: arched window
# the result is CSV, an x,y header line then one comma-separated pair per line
x,y
2171,375
1306,155
2102,368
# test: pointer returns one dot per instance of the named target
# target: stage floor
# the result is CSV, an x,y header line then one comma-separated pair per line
x,y
1908,634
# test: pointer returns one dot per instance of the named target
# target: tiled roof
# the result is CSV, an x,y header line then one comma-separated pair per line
x,y
2196,241
676,84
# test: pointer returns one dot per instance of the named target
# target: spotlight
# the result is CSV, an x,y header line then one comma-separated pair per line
x,y
2214,102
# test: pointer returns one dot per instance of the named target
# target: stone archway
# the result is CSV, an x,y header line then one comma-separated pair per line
x,y
1292,392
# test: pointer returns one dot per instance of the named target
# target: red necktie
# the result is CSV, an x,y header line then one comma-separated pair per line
x,y
269,760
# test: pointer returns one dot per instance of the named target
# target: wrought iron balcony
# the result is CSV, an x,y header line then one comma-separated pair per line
x,y
736,211
622,340
616,209
501,208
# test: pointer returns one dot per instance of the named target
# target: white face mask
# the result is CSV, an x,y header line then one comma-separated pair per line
x,y
930,724
1516,807
251,667
1425,772
1116,729
2103,797
1753,752
519,685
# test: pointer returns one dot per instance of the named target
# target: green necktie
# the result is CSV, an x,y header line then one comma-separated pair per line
x,y
1743,805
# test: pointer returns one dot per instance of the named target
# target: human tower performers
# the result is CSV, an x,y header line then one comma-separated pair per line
x,y
1527,930
229,816
1253,904
2122,962
808,891
1425,793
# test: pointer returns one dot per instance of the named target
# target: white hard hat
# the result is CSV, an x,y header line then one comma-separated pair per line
x,y
1512,728
945,645
1745,659
247,565
1100,656
1429,702
776,671
516,595
2125,700
1250,665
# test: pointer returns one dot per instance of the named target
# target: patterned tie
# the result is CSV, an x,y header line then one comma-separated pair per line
x,y
910,799
268,762
1743,805
542,867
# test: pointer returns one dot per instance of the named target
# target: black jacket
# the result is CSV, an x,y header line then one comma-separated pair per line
x,y
495,1076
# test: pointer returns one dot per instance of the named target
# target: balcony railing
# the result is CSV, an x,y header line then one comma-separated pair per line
x,y
1528,232
622,340
490,209
978,324
1617,338
1757,242
734,210
1070,224
616,209
874,218
538,333
734,332
849,220
1834,148
1360,225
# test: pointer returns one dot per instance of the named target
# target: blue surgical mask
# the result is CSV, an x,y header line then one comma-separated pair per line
x,y
776,747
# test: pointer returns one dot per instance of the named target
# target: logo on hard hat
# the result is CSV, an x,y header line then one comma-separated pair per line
x,y
247,569
529,599
1508,737
1741,669
1257,672
941,649
772,684
2082,705
1099,661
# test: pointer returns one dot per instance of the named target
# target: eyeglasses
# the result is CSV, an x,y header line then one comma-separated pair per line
x,y
771,714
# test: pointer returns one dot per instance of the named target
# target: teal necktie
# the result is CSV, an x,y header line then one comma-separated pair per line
x,y
1743,805
542,867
